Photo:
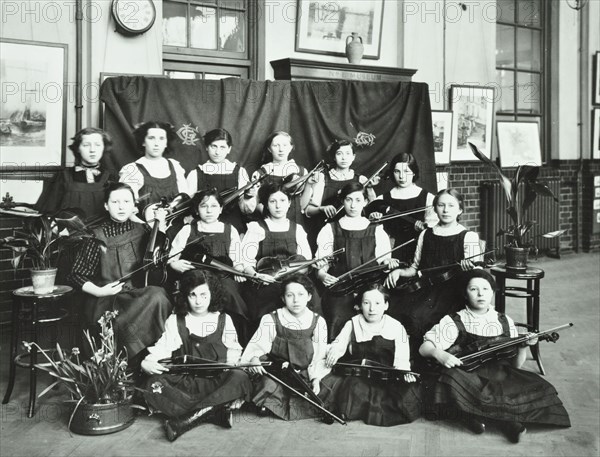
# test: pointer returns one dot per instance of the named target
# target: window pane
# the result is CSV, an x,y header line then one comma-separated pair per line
x,y
218,76
505,46
233,4
182,75
232,35
528,12
174,24
506,11
529,90
529,50
204,27
505,99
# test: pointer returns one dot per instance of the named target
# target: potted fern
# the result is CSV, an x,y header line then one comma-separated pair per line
x,y
518,240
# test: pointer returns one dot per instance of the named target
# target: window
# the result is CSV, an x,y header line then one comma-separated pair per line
x,y
521,75
210,39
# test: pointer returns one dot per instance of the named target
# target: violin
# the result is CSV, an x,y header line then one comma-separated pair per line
x,y
279,267
474,355
370,369
231,195
367,182
391,213
358,277
294,184
207,261
425,278
200,367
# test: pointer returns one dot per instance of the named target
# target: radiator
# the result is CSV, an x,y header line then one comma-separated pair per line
x,y
544,210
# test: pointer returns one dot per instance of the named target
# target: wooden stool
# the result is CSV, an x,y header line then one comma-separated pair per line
x,y
31,309
531,293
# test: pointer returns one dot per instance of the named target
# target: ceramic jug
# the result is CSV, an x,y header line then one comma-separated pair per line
x,y
354,48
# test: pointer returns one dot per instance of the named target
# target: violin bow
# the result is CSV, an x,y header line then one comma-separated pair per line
x,y
225,268
403,213
160,259
306,177
309,263
372,260
448,265
514,342
231,196
304,397
367,364
373,176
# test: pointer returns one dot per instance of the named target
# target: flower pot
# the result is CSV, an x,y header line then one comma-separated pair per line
x,y
43,281
102,418
354,48
516,258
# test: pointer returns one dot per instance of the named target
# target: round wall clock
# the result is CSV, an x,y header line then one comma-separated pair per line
x,y
133,17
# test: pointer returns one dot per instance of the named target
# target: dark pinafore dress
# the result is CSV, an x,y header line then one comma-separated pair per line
x,y
89,197
296,347
360,248
157,187
295,212
495,390
142,310
178,394
217,245
232,213
420,310
264,299
331,196
402,230
376,402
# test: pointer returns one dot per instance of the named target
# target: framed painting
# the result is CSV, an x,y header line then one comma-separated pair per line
x,y
473,114
441,121
596,75
322,26
33,106
519,143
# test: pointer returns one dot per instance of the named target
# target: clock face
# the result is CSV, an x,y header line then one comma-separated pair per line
x,y
134,16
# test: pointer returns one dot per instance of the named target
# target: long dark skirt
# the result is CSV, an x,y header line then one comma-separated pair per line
x,y
374,402
280,401
141,319
175,395
497,391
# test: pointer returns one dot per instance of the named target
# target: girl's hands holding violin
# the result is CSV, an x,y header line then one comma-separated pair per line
x,y
239,268
409,378
375,216
393,276
391,263
316,386
446,359
332,357
181,266
466,265
420,226
532,341
329,210
321,264
326,278
108,290
257,368
152,367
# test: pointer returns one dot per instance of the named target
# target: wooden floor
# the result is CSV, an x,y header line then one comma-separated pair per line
x,y
570,293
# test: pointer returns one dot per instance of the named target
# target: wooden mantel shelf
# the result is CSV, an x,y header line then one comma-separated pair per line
x,y
300,69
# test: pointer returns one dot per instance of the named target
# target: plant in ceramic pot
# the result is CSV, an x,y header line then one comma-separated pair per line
x,y
41,239
100,386
518,239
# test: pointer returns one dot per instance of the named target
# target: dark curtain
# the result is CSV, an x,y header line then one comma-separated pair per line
x,y
397,115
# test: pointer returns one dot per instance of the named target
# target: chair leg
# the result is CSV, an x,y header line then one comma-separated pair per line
x,y
13,352
32,362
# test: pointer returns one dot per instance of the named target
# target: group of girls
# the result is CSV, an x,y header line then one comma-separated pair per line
x,y
227,299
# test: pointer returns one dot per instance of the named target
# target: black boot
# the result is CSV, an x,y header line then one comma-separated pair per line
x,y
515,431
179,425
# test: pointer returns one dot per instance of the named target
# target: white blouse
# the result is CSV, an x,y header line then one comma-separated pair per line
x,y
444,334
131,174
222,168
201,326
256,234
382,240
262,341
389,328
180,240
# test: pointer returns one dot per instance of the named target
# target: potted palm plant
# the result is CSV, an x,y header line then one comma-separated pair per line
x,y
41,239
518,239
100,387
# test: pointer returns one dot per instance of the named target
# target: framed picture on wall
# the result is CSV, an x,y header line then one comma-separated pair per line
x,y
596,134
596,100
33,105
519,143
473,114
441,121
322,26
